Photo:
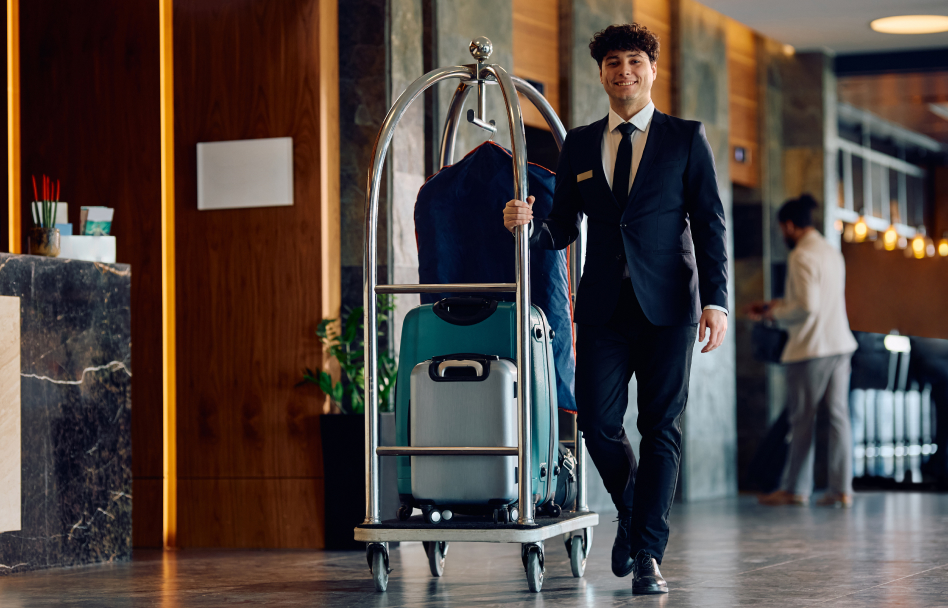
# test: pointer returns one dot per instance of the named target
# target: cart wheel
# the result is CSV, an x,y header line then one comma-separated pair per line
x,y
533,563
589,539
378,561
404,512
436,552
554,510
577,556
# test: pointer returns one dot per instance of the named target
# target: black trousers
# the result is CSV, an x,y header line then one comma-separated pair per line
x,y
660,358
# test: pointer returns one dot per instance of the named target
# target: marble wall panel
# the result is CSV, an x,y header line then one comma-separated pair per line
x,y
363,103
709,450
457,24
75,352
10,461
585,101
408,149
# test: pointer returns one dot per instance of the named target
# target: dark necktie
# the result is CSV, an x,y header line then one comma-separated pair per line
x,y
620,175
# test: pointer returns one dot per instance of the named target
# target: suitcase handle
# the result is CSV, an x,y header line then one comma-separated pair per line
x,y
464,311
444,366
454,368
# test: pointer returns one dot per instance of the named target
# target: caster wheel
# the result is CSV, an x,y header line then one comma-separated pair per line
x,y
554,510
434,516
577,556
378,562
513,515
404,512
436,551
447,514
533,562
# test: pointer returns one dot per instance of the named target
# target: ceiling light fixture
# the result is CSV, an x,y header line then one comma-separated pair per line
x,y
911,24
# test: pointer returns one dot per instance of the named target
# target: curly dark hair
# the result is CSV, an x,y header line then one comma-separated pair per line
x,y
625,37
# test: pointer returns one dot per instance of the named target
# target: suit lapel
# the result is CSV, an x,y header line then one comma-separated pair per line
x,y
592,149
656,132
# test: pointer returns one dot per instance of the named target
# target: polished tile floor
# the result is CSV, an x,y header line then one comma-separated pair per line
x,y
891,549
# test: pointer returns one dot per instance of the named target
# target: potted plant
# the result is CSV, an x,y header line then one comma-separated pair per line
x,y
44,236
343,432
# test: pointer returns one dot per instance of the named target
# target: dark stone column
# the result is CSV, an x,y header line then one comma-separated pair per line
x,y
709,450
363,103
408,148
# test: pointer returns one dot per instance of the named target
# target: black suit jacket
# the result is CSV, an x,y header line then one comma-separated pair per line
x,y
670,230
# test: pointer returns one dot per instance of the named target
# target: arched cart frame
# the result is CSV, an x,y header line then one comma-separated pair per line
x,y
528,530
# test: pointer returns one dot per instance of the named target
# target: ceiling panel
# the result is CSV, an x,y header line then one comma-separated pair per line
x,y
902,98
839,25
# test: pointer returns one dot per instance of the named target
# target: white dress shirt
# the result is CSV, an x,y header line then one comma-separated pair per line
x,y
611,139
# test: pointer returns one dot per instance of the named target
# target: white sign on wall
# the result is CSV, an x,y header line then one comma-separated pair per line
x,y
245,173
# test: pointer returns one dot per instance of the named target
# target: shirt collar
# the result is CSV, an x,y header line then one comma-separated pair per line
x,y
641,120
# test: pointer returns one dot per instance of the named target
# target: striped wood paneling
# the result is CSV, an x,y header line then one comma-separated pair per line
x,y
656,16
536,52
743,101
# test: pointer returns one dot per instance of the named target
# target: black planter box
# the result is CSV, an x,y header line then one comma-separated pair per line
x,y
343,438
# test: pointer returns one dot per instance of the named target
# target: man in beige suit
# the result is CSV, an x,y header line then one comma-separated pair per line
x,y
817,356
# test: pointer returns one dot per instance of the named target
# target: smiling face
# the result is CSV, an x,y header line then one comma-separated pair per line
x,y
627,78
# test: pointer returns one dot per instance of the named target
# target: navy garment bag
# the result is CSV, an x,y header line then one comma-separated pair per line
x,y
461,239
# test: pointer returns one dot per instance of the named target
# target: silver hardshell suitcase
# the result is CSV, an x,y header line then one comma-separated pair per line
x,y
464,400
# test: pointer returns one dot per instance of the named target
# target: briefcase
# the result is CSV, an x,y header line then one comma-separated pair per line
x,y
769,342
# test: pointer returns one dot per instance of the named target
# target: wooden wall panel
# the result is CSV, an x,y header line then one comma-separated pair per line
x,y
656,16
252,513
248,280
90,117
886,291
743,99
4,155
536,52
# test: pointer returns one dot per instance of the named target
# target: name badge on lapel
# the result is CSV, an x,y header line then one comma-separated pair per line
x,y
584,176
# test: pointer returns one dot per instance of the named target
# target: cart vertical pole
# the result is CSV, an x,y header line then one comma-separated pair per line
x,y
524,363
370,278
450,135
579,445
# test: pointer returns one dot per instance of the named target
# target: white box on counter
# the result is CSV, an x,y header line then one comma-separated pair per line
x,y
88,248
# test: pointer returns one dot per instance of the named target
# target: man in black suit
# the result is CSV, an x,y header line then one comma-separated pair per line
x,y
655,276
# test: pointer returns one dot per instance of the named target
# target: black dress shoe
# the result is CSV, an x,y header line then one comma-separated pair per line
x,y
622,548
648,579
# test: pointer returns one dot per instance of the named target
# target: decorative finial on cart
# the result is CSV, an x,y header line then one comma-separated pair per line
x,y
481,48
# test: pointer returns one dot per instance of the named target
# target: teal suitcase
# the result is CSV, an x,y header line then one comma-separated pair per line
x,y
478,325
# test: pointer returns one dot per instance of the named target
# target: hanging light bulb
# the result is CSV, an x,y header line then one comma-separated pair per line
x,y
943,247
918,246
860,230
890,239
848,233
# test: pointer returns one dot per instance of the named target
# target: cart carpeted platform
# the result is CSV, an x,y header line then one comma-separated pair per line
x,y
468,522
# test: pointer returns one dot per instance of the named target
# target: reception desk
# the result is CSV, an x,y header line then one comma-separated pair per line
x,y
65,413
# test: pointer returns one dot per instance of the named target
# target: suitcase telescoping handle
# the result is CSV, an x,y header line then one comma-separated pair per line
x,y
461,367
